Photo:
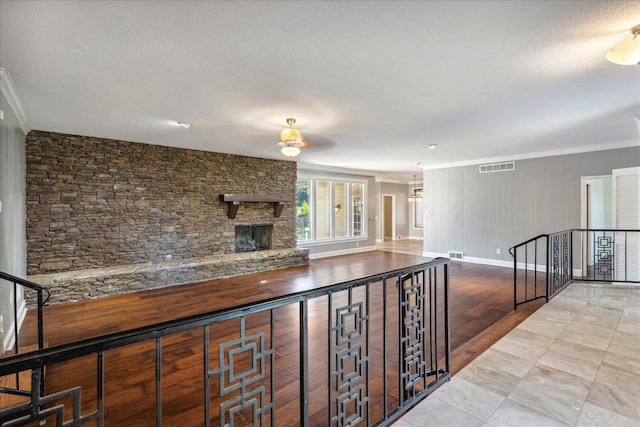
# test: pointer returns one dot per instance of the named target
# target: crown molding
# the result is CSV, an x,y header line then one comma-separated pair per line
x,y
9,91
525,156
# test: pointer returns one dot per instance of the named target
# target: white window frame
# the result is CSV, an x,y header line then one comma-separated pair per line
x,y
349,209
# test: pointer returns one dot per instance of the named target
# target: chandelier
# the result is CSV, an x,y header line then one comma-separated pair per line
x,y
415,194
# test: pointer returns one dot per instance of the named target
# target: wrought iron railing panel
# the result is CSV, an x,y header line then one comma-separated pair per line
x,y
559,265
324,357
546,264
530,279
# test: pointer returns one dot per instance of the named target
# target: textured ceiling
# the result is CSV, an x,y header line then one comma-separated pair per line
x,y
370,83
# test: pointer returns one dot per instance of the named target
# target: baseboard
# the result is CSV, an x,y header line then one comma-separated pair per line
x,y
484,261
342,252
488,261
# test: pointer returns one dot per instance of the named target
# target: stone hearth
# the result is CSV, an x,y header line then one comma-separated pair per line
x,y
78,285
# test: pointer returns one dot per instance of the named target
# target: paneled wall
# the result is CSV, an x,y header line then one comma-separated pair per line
x,y
95,203
480,213
12,215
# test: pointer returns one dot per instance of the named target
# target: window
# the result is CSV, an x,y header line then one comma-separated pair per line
x,y
323,209
330,209
303,217
340,210
357,201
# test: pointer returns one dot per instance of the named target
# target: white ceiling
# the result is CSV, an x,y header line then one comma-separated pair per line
x,y
370,83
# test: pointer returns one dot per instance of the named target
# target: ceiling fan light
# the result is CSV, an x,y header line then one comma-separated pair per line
x,y
291,140
290,134
628,53
290,151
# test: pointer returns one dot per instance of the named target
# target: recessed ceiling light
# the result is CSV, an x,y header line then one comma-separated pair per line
x,y
184,125
432,146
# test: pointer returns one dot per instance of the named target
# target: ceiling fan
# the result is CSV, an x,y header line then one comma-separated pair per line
x,y
291,140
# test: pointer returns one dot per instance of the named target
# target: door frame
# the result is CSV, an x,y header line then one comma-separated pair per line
x,y
584,210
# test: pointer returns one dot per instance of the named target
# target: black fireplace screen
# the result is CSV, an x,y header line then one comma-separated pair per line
x,y
253,237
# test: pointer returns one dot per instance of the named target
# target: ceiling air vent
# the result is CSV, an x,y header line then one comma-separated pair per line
x,y
498,167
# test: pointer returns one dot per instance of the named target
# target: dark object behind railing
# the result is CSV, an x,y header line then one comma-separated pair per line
x,y
544,265
41,301
391,329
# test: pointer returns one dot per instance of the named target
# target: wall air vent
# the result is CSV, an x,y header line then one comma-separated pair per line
x,y
456,255
498,167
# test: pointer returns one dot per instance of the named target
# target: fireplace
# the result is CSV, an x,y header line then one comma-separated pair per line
x,y
253,237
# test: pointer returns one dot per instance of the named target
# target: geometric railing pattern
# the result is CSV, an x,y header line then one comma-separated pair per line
x,y
232,377
546,264
361,352
349,364
47,409
560,262
412,305
604,254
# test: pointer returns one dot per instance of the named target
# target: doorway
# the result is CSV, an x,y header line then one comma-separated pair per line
x,y
596,213
388,217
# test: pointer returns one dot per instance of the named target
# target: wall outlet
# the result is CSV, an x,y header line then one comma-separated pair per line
x,y
498,251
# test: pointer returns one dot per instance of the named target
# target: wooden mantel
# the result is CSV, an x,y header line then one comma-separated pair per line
x,y
234,200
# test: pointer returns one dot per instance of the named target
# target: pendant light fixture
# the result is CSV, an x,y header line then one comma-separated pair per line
x,y
414,194
291,139
628,53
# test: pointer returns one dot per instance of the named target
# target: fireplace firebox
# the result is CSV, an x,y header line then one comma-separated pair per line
x,y
253,237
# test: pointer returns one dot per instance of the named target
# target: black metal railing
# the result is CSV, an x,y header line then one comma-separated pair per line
x,y
546,264
42,296
366,350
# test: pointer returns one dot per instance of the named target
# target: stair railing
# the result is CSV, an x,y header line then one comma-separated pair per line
x,y
528,285
544,265
384,346
43,295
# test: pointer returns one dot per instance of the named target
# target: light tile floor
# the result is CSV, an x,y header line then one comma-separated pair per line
x,y
574,362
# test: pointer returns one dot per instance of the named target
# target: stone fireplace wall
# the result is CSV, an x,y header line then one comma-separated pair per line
x,y
94,204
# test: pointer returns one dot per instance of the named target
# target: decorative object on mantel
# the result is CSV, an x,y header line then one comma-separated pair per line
x,y
233,202
291,139
628,53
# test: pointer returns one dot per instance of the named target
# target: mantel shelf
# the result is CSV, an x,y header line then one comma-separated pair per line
x,y
234,200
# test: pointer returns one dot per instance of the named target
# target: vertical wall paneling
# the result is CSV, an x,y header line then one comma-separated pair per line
x,y
483,212
12,216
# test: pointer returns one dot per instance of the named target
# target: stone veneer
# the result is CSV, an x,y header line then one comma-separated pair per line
x,y
98,282
136,216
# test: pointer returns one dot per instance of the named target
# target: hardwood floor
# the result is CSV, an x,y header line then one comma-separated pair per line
x,y
480,313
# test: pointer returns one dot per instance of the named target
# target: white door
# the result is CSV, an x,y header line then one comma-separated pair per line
x,y
626,216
